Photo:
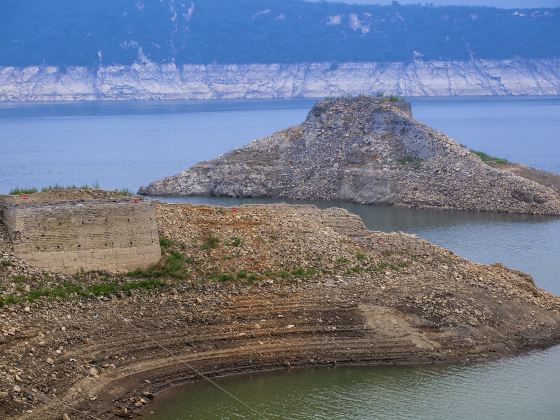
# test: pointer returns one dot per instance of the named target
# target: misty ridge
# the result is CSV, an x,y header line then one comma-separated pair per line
x,y
84,33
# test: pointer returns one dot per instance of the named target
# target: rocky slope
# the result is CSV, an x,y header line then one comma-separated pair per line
x,y
366,150
244,81
248,289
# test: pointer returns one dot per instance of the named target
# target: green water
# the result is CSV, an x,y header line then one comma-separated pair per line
x,y
518,388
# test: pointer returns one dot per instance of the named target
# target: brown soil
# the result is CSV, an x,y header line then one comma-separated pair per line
x,y
548,179
301,287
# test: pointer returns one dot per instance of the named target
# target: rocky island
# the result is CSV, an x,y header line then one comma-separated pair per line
x,y
367,150
249,289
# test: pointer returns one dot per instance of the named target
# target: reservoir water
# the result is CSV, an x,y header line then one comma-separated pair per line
x,y
125,145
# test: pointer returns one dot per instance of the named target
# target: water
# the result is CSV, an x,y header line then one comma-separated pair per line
x,y
493,390
130,144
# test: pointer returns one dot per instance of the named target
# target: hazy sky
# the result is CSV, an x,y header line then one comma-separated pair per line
x,y
496,3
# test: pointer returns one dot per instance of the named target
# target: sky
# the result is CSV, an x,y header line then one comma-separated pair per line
x,y
496,3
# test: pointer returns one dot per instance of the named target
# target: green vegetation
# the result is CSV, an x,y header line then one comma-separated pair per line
x,y
20,278
487,158
94,186
389,98
210,242
68,289
172,266
235,241
20,191
301,272
165,242
6,263
223,277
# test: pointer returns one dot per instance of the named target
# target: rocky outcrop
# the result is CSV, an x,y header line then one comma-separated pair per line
x,y
237,81
366,150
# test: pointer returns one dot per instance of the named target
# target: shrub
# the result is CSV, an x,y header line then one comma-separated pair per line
x,y
235,241
210,242
20,191
165,242
487,158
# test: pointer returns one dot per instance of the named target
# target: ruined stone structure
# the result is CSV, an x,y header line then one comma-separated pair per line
x,y
78,230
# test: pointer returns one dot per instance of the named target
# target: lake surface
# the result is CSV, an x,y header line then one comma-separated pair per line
x,y
130,144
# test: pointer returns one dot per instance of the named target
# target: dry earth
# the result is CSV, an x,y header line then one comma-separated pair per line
x,y
249,289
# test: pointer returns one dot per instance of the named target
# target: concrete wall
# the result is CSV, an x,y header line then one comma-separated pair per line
x,y
73,236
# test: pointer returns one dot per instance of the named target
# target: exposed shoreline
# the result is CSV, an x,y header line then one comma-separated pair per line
x,y
152,81
279,286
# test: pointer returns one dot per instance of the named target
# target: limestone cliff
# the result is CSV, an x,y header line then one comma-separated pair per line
x,y
237,81
366,150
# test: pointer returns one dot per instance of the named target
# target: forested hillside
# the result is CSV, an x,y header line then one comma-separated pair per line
x,y
103,32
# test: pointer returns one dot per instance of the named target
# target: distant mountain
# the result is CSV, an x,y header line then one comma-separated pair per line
x,y
106,32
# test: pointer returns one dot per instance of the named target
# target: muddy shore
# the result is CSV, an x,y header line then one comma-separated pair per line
x,y
249,289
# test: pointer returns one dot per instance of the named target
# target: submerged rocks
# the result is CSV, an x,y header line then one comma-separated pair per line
x,y
366,150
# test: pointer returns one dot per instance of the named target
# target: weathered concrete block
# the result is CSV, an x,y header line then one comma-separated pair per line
x,y
116,234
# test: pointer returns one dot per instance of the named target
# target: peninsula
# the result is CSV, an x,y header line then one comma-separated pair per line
x,y
368,150
248,289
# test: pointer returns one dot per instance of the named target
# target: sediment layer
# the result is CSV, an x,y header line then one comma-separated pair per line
x,y
151,81
366,150
256,287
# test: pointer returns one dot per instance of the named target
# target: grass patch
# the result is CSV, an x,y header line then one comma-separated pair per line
x,y
355,270
342,260
172,266
210,242
235,241
389,98
94,186
20,191
20,278
123,191
223,277
301,272
487,158
67,289
252,277
7,263
165,242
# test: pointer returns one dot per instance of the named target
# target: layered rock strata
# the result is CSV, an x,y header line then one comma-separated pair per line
x,y
243,81
367,150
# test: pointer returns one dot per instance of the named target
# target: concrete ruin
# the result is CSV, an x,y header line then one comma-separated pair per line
x,y
72,230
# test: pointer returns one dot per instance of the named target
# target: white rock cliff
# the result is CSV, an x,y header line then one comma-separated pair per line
x,y
244,81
